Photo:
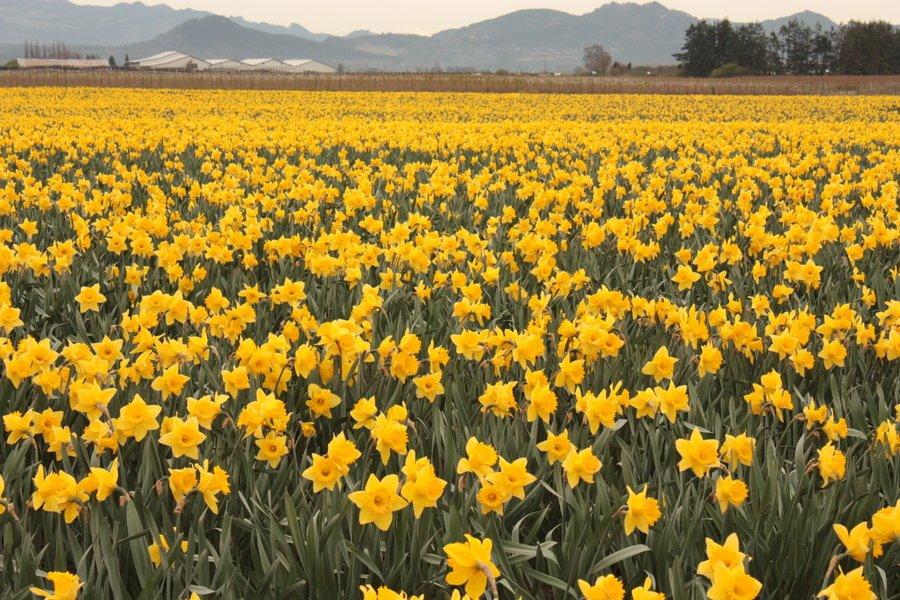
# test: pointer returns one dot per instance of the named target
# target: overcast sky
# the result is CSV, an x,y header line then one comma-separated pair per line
x,y
424,17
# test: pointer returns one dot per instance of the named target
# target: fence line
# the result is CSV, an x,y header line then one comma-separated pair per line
x,y
419,82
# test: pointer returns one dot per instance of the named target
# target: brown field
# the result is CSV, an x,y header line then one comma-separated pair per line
x,y
424,82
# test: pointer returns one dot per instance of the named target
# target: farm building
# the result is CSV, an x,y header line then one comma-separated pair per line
x,y
170,60
179,61
308,65
62,63
265,64
226,64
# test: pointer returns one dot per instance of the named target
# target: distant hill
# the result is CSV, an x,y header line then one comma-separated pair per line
x,y
525,40
121,24
62,21
806,17
359,33
220,37
535,40
292,29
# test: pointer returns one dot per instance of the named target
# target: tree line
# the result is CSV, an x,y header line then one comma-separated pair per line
x,y
856,48
56,50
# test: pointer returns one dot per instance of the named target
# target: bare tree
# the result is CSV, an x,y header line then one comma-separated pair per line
x,y
54,50
597,59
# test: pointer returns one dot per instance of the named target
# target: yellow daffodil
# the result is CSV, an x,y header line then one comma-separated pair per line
x,y
697,454
471,565
642,512
65,586
378,501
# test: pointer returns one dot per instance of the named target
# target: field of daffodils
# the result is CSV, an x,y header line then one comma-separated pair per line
x,y
377,346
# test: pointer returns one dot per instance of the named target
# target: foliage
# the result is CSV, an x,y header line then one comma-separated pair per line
x,y
597,59
730,70
871,48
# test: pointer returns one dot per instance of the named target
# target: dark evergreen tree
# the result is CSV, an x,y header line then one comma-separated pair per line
x,y
774,54
824,58
797,43
871,48
699,57
751,49
726,43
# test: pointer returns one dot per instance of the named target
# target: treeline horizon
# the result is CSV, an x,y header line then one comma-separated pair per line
x,y
53,50
720,49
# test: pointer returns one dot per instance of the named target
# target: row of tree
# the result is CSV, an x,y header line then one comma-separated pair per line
x,y
857,48
52,50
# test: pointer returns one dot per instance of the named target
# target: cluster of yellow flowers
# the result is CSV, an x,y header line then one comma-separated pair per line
x,y
512,314
725,567
610,587
863,540
470,565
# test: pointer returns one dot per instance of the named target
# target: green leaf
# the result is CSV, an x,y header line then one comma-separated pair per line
x,y
618,556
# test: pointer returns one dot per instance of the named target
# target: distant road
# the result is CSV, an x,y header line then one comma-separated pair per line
x,y
423,82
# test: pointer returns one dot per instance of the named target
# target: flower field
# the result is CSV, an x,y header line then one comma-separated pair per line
x,y
361,345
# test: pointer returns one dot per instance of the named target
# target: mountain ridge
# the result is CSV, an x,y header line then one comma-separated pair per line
x,y
63,21
526,40
214,36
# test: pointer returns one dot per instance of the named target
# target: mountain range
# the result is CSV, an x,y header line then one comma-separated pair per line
x,y
525,40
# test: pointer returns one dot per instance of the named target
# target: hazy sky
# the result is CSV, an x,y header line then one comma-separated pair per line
x,y
417,16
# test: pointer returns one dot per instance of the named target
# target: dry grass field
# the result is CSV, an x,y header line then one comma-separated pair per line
x,y
481,83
